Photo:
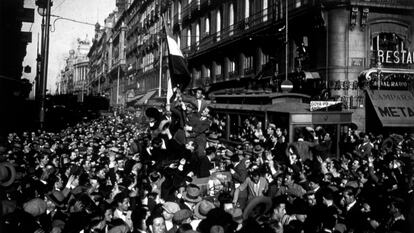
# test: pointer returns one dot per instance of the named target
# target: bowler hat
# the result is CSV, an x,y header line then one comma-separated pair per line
x,y
7,174
267,201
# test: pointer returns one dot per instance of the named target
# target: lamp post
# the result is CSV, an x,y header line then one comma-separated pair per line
x,y
44,10
379,71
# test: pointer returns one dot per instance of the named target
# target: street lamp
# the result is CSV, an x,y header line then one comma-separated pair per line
x,y
379,71
44,10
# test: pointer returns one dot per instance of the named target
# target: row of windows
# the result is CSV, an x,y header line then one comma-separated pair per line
x,y
231,14
233,65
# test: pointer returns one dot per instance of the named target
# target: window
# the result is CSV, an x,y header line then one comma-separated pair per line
x,y
298,3
389,48
218,24
218,75
264,58
188,37
231,18
197,37
248,64
218,69
179,10
207,22
246,9
232,68
387,41
265,6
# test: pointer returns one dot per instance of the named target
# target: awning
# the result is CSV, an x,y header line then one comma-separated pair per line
x,y
394,108
145,98
130,99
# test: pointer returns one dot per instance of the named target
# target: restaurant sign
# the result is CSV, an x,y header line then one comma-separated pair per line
x,y
394,108
395,57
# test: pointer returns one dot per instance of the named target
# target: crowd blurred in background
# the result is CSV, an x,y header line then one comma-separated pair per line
x,y
168,170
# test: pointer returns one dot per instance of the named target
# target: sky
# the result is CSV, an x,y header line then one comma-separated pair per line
x,y
65,32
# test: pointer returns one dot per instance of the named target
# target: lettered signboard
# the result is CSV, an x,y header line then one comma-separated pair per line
x,y
394,108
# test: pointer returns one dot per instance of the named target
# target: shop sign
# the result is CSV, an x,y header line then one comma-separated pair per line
x,y
395,57
391,81
316,105
394,108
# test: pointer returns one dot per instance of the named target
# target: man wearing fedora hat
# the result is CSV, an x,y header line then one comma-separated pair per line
x,y
191,197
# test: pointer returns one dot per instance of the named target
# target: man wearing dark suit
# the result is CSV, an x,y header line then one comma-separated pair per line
x,y
197,127
364,149
239,174
352,212
206,166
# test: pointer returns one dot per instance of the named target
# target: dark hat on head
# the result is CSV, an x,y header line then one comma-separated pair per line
x,y
56,197
192,194
7,174
213,138
258,149
202,208
216,229
267,201
228,154
154,176
153,113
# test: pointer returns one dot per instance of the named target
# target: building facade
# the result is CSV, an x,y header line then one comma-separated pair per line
x,y
73,78
330,44
328,49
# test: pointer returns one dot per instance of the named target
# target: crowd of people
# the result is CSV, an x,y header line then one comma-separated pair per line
x,y
171,173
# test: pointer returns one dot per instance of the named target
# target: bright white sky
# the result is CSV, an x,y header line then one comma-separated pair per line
x,y
66,32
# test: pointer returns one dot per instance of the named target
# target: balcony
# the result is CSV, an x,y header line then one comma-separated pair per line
x,y
219,77
243,27
397,4
195,6
186,13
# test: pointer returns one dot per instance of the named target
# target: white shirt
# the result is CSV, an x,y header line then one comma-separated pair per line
x,y
348,207
199,104
126,217
168,224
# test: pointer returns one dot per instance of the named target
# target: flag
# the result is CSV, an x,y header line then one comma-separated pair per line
x,y
179,74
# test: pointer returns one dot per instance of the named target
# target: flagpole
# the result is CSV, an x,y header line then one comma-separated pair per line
x,y
160,75
286,39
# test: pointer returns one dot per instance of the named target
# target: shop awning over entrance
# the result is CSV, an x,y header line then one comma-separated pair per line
x,y
144,99
394,108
